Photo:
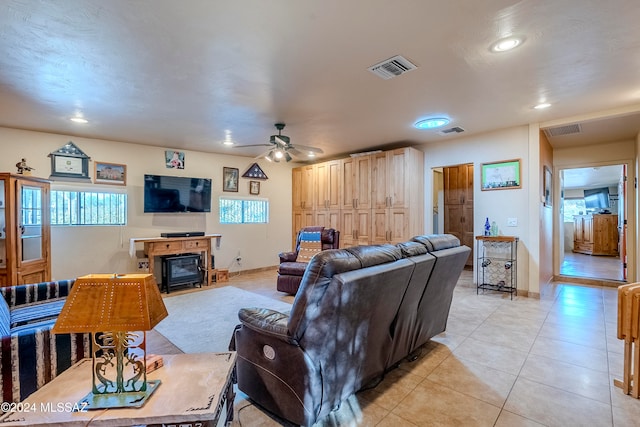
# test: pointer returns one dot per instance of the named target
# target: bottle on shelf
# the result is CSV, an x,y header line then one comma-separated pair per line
x,y
494,229
487,227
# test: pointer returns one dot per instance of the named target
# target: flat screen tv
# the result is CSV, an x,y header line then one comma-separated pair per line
x,y
597,198
176,194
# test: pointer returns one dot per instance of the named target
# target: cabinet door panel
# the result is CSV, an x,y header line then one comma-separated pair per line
x,y
398,220
379,227
362,182
308,186
347,190
363,221
398,189
296,182
322,185
333,186
379,181
328,219
347,222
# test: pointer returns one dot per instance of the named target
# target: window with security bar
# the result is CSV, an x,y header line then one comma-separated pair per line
x,y
88,208
243,211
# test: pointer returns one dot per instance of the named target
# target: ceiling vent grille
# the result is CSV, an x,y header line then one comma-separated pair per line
x,y
456,129
392,67
563,130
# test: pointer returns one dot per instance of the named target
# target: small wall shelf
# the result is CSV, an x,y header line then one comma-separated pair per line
x,y
497,268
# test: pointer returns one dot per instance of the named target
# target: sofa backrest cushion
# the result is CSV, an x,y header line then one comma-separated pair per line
x,y
436,301
410,249
5,318
34,292
349,335
436,242
320,272
406,326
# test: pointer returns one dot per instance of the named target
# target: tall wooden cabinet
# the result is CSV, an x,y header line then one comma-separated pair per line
x,y
379,197
25,235
458,204
595,234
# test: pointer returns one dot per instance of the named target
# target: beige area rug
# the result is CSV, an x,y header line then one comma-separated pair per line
x,y
200,322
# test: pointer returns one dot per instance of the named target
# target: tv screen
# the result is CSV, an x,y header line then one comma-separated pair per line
x,y
176,194
596,198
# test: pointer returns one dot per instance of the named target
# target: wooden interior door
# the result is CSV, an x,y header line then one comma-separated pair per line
x,y
458,205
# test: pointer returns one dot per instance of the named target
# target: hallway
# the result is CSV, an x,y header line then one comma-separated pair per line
x,y
590,266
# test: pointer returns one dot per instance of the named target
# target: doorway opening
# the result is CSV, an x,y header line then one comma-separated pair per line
x,y
593,223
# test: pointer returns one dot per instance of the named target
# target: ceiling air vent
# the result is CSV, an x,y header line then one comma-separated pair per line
x,y
563,130
456,129
392,67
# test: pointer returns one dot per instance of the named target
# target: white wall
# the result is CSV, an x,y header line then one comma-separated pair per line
x,y
104,249
498,205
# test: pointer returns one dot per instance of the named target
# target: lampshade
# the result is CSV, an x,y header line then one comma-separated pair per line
x,y
110,302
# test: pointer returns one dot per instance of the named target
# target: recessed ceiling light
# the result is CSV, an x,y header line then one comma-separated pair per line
x,y
79,120
506,44
542,106
431,123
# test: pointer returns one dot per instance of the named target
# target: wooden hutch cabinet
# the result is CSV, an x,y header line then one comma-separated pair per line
x,y
25,248
596,234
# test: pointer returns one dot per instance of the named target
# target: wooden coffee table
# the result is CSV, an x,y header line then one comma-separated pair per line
x,y
196,390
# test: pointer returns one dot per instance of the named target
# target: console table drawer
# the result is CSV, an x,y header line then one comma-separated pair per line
x,y
195,244
164,248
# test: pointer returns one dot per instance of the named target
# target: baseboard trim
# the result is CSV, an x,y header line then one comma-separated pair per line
x,y
588,281
252,270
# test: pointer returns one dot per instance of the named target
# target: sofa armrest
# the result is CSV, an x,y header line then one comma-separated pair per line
x,y
267,322
288,256
36,292
32,356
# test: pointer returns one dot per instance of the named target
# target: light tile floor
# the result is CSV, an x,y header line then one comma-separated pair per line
x,y
521,362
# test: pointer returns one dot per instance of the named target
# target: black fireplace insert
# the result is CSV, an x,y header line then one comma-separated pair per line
x,y
180,270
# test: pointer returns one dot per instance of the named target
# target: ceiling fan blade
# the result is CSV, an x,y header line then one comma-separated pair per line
x,y
305,148
262,155
252,145
295,152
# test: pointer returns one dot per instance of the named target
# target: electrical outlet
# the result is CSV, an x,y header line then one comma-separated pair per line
x,y
512,222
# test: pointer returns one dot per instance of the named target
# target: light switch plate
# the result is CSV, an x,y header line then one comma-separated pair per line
x,y
512,222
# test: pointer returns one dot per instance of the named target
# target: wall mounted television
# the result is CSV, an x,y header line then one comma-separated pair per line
x,y
596,198
176,194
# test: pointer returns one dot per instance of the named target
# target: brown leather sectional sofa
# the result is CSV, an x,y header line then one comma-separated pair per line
x,y
358,312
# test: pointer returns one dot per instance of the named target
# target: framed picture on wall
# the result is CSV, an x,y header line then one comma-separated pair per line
x,y
254,187
230,178
548,187
110,173
503,175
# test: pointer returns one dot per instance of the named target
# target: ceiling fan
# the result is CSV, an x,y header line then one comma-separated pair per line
x,y
281,147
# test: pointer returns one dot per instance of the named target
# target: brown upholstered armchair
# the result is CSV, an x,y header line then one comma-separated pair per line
x,y
290,271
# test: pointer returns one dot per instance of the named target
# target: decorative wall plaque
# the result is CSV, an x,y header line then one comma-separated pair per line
x,y
69,162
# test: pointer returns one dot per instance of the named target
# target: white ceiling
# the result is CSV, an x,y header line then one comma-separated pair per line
x,y
180,73
592,177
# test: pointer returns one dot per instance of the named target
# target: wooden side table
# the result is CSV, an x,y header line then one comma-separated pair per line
x,y
196,389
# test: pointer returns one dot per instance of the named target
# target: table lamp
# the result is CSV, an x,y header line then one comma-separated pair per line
x,y
117,310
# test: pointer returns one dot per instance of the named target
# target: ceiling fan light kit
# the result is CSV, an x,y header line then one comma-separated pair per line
x,y
281,147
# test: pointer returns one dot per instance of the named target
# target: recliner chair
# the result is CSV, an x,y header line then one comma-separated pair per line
x,y
291,271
